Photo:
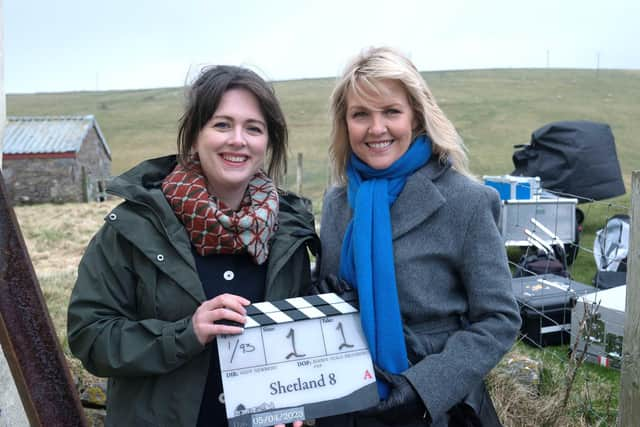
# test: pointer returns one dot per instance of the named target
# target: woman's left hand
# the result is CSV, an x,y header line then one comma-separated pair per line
x,y
403,403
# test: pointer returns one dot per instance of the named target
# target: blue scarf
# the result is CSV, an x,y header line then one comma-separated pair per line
x,y
367,253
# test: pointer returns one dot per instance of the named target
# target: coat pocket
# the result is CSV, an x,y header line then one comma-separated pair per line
x,y
427,338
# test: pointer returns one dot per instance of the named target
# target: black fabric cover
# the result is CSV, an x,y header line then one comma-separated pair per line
x,y
609,279
574,157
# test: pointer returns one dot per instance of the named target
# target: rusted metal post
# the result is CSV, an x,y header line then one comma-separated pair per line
x,y
27,336
3,104
630,375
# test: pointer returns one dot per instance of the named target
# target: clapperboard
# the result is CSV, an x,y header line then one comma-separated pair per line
x,y
298,358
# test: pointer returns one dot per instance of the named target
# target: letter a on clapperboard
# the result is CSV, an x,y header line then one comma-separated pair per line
x,y
367,375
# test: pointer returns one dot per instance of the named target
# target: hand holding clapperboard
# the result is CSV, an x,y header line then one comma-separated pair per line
x,y
298,358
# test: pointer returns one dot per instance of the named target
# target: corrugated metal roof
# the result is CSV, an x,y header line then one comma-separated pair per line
x,y
49,134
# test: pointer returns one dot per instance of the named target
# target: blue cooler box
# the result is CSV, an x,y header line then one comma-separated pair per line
x,y
514,187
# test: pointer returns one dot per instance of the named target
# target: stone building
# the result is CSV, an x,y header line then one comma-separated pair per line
x,y
55,159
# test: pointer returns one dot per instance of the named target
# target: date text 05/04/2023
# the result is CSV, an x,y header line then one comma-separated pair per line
x,y
300,385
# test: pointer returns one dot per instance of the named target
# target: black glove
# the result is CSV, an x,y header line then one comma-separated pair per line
x,y
331,283
402,406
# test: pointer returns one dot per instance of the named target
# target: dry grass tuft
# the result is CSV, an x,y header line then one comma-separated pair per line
x,y
56,235
519,405
541,404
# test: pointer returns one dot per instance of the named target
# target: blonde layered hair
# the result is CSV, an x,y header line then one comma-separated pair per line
x,y
363,76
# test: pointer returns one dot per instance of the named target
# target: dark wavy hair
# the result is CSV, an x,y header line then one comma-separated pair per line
x,y
203,98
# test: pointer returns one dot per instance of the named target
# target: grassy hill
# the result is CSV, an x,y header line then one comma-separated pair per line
x,y
492,110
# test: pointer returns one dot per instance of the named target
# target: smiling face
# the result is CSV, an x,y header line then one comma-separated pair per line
x,y
232,145
380,125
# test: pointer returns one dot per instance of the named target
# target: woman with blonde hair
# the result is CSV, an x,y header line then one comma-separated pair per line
x,y
420,244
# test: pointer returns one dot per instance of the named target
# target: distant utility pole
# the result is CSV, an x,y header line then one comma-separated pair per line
x,y
597,63
547,58
3,103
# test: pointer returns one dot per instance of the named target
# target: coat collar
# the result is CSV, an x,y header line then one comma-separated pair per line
x,y
153,226
141,186
419,199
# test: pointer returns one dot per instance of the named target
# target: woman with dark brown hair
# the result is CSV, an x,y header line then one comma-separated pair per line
x,y
198,237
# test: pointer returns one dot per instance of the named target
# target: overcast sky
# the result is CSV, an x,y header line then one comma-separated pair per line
x,y
65,45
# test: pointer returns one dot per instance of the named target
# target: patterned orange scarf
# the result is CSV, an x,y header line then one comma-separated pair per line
x,y
214,228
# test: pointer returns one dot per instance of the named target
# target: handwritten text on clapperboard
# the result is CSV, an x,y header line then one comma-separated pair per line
x,y
297,358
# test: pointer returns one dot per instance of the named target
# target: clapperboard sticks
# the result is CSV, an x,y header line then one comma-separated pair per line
x,y
299,308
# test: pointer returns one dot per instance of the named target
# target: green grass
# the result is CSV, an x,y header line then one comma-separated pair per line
x,y
492,109
56,289
595,391
47,236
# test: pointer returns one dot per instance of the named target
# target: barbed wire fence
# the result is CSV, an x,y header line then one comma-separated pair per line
x,y
548,300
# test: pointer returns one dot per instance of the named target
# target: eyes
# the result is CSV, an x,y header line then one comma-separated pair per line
x,y
364,113
222,125
252,128
255,129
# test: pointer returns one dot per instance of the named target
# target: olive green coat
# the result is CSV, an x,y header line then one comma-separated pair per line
x,y
130,312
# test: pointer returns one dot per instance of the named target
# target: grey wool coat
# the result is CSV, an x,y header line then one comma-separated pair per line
x,y
454,285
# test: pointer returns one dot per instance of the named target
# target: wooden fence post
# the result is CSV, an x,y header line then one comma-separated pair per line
x,y
630,376
299,175
85,186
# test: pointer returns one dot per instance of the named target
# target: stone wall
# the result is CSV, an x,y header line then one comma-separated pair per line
x,y
96,163
43,180
59,180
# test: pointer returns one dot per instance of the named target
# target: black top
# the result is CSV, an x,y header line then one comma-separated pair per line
x,y
219,274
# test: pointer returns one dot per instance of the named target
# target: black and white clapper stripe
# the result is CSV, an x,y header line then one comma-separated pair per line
x,y
300,308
